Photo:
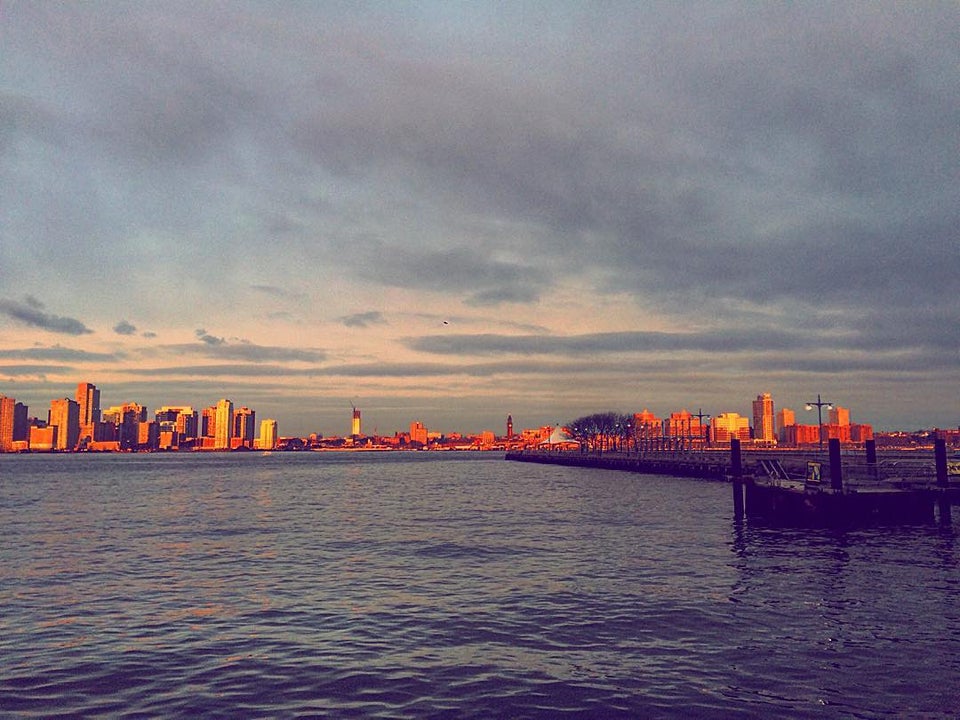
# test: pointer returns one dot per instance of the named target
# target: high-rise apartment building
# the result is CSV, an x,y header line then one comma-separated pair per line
x,y
88,399
244,420
65,416
126,420
727,426
418,433
683,425
224,422
840,416
268,434
21,425
7,408
785,418
208,422
763,419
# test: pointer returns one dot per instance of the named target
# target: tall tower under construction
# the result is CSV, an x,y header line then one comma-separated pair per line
x,y
355,426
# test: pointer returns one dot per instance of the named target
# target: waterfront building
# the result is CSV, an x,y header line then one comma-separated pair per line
x,y
21,425
224,424
208,422
42,437
7,414
727,426
244,429
509,427
355,424
88,399
268,434
683,425
182,419
126,421
763,420
800,435
647,424
148,435
65,416
418,433
785,418
839,416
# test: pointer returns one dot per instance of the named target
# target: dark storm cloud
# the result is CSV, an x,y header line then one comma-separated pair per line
x,y
30,312
364,319
124,328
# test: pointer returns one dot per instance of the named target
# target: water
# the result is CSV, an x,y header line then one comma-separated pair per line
x,y
428,585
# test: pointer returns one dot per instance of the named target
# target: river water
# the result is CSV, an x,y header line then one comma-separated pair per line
x,y
436,585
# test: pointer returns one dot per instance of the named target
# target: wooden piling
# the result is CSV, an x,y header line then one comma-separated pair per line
x,y
943,501
736,473
836,467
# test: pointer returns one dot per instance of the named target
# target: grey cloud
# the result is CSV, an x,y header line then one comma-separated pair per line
x,y
364,319
588,344
481,280
124,328
276,291
249,352
57,352
207,338
30,370
31,313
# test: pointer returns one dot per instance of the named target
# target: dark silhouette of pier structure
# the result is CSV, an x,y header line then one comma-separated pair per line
x,y
795,486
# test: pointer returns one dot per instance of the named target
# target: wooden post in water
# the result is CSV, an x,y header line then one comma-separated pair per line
x,y
871,448
940,457
736,472
836,469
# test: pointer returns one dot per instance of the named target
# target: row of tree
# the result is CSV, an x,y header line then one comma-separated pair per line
x,y
602,431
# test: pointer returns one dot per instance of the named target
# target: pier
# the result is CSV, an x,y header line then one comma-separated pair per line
x,y
799,486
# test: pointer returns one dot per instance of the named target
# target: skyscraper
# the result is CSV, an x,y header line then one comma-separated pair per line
x,y
7,405
840,416
355,426
268,434
224,425
785,418
244,420
88,398
65,416
763,419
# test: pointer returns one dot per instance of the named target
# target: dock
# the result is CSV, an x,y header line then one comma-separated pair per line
x,y
840,487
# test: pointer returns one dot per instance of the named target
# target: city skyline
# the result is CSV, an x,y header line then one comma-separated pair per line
x,y
455,213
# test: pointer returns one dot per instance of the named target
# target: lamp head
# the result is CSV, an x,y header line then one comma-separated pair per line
x,y
809,406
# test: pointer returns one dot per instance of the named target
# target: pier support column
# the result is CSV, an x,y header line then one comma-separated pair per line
x,y
736,472
943,482
836,468
871,448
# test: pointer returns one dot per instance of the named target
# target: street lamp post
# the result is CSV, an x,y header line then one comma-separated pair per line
x,y
820,404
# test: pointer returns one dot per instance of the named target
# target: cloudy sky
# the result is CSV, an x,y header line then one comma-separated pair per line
x,y
453,211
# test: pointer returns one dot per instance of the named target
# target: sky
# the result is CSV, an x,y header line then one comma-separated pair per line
x,y
454,211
